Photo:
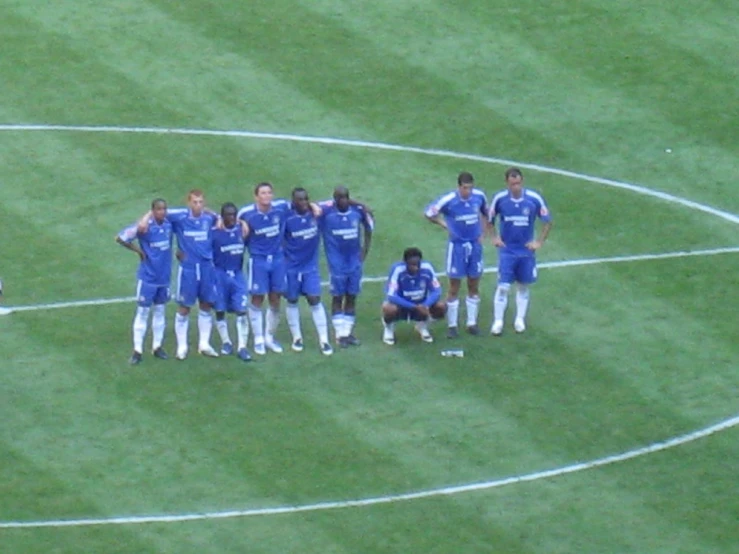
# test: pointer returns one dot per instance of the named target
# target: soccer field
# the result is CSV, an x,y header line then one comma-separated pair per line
x,y
610,426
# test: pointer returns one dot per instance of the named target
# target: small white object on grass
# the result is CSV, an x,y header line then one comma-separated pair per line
x,y
668,150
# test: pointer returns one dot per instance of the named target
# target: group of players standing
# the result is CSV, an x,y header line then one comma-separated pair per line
x,y
283,237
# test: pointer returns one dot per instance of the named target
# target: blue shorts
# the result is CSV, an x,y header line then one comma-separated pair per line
x,y
196,282
267,274
464,259
303,283
231,286
406,314
148,294
516,267
346,283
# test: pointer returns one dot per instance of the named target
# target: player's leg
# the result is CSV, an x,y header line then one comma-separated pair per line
x,y
506,276
159,322
144,297
186,297
338,283
258,283
437,311
390,314
292,310
207,293
474,273
353,289
318,313
455,270
223,292
525,276
239,304
277,285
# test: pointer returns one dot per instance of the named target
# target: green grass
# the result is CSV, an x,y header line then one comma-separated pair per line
x,y
617,356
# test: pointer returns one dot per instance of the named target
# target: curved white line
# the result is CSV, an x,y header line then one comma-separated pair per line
x,y
444,491
383,146
389,499
7,310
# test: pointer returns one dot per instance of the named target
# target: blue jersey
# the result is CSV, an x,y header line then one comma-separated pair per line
x,y
341,236
266,229
517,218
462,216
302,240
228,248
156,243
193,234
408,290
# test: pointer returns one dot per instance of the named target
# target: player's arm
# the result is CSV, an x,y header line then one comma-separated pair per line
x,y
142,225
244,229
361,205
369,228
126,239
484,220
434,294
316,210
546,218
434,214
492,231
543,234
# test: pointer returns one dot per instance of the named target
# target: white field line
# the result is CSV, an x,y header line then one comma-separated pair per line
x,y
389,499
445,491
380,146
381,279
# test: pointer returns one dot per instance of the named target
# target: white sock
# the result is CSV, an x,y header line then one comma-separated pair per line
x,y
501,301
452,314
319,319
140,321
257,324
242,330
349,320
181,323
337,320
158,324
292,312
205,326
522,301
222,326
389,326
273,320
473,306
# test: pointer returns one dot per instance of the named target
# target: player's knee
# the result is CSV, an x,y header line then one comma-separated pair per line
x,y
502,291
522,291
473,287
438,310
454,288
389,310
313,300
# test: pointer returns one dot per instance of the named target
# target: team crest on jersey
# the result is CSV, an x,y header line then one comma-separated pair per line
x,y
204,225
526,211
356,225
276,219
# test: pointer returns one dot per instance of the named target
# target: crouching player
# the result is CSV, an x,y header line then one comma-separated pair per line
x,y
413,293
